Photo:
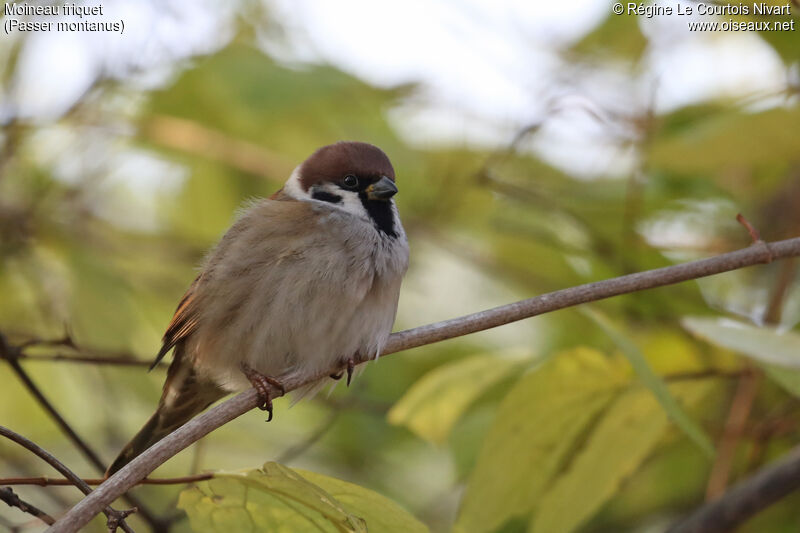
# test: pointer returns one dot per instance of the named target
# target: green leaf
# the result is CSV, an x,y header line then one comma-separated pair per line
x,y
764,344
284,110
617,35
275,498
784,42
433,405
534,432
380,514
627,434
653,382
787,378
721,143
778,352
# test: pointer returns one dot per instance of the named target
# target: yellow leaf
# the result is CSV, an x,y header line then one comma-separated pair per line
x,y
624,437
534,433
433,405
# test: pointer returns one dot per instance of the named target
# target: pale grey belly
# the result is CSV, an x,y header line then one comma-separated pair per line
x,y
300,330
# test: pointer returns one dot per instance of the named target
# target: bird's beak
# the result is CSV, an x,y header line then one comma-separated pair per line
x,y
383,189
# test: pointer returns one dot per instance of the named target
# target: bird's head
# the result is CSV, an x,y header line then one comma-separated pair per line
x,y
354,176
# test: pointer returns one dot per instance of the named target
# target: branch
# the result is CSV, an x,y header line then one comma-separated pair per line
x,y
44,481
12,354
115,518
757,492
223,413
12,500
91,360
738,414
81,355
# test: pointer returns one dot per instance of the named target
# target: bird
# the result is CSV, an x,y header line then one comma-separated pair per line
x,y
303,282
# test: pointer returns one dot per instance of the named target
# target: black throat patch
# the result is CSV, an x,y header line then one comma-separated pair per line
x,y
380,211
326,196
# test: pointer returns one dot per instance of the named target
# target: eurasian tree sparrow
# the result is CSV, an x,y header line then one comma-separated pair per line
x,y
300,283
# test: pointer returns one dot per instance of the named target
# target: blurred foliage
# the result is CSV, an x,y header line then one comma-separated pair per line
x,y
653,382
615,37
550,425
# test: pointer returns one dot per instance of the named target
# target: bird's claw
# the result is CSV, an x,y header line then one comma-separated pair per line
x,y
350,365
262,384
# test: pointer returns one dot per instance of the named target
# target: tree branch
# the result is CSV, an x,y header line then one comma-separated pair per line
x,y
205,423
44,481
80,355
115,518
12,355
750,496
91,360
12,500
739,411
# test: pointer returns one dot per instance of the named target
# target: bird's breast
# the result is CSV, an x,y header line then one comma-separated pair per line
x,y
319,301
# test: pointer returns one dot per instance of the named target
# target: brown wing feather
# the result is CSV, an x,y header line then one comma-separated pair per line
x,y
183,322
185,394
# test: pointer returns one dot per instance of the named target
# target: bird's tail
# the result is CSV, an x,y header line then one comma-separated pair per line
x,y
185,394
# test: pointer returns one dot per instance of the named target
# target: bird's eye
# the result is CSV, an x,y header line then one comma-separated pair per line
x,y
351,181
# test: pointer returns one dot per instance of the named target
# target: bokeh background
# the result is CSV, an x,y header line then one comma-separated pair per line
x,y
537,146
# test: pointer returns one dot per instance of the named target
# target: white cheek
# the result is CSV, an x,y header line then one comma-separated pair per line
x,y
350,201
293,188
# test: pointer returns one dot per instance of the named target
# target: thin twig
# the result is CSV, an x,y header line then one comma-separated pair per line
x,y
44,481
738,414
755,236
11,355
766,430
503,155
58,497
90,359
223,413
115,518
81,355
783,283
12,500
66,340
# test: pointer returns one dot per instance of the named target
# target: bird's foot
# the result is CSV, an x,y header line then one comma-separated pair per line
x,y
262,385
350,365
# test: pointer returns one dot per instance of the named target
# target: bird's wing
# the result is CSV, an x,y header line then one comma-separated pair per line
x,y
267,226
183,322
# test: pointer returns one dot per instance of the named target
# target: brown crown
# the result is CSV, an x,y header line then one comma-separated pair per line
x,y
335,161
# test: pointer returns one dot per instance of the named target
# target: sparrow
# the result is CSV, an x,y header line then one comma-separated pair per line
x,y
301,283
